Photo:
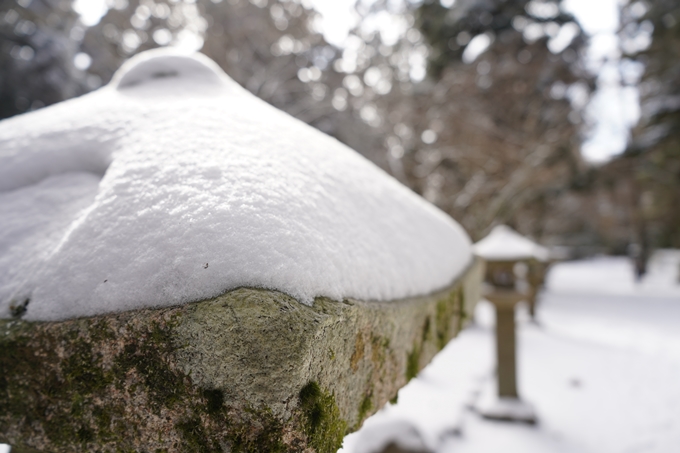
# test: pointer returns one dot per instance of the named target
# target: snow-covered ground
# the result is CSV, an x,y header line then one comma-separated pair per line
x,y
601,367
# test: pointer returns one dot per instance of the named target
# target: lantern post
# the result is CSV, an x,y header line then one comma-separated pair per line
x,y
515,268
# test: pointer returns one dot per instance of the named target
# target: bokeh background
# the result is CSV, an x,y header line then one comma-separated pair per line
x,y
558,118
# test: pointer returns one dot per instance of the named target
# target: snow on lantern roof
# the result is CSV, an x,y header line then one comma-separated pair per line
x,y
505,244
173,184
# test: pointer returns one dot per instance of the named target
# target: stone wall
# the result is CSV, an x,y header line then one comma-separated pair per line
x,y
250,371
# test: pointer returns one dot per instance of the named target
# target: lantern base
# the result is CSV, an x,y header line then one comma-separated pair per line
x,y
508,409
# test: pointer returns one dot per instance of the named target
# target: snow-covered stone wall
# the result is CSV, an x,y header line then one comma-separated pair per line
x,y
173,184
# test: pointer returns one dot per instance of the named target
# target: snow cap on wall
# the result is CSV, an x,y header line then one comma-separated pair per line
x,y
504,243
173,184
167,63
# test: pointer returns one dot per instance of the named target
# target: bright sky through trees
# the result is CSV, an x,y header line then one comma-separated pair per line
x,y
612,111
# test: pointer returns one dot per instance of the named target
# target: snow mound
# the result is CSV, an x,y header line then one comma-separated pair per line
x,y
164,63
173,184
504,243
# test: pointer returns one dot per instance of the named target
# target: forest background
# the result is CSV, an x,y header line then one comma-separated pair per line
x,y
483,107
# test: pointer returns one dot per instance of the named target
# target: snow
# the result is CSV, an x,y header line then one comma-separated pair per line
x,y
616,276
600,368
173,184
381,433
504,243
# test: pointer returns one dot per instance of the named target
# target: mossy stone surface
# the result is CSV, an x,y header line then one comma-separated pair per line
x,y
249,371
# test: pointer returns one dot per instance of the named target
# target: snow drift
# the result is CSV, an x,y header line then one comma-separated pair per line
x,y
173,184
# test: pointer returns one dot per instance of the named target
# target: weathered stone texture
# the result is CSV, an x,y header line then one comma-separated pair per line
x,y
251,370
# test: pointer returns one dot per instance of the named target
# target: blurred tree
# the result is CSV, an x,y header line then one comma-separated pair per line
x,y
275,51
39,41
508,68
271,50
476,105
490,134
656,144
270,47
641,188
133,26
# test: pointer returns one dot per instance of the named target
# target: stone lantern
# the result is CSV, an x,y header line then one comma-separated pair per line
x,y
514,269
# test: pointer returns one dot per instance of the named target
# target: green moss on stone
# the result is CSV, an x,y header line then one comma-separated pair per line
x,y
322,422
379,351
100,331
24,450
413,362
194,437
148,357
425,332
68,407
365,406
17,365
446,309
463,314
413,357
83,370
